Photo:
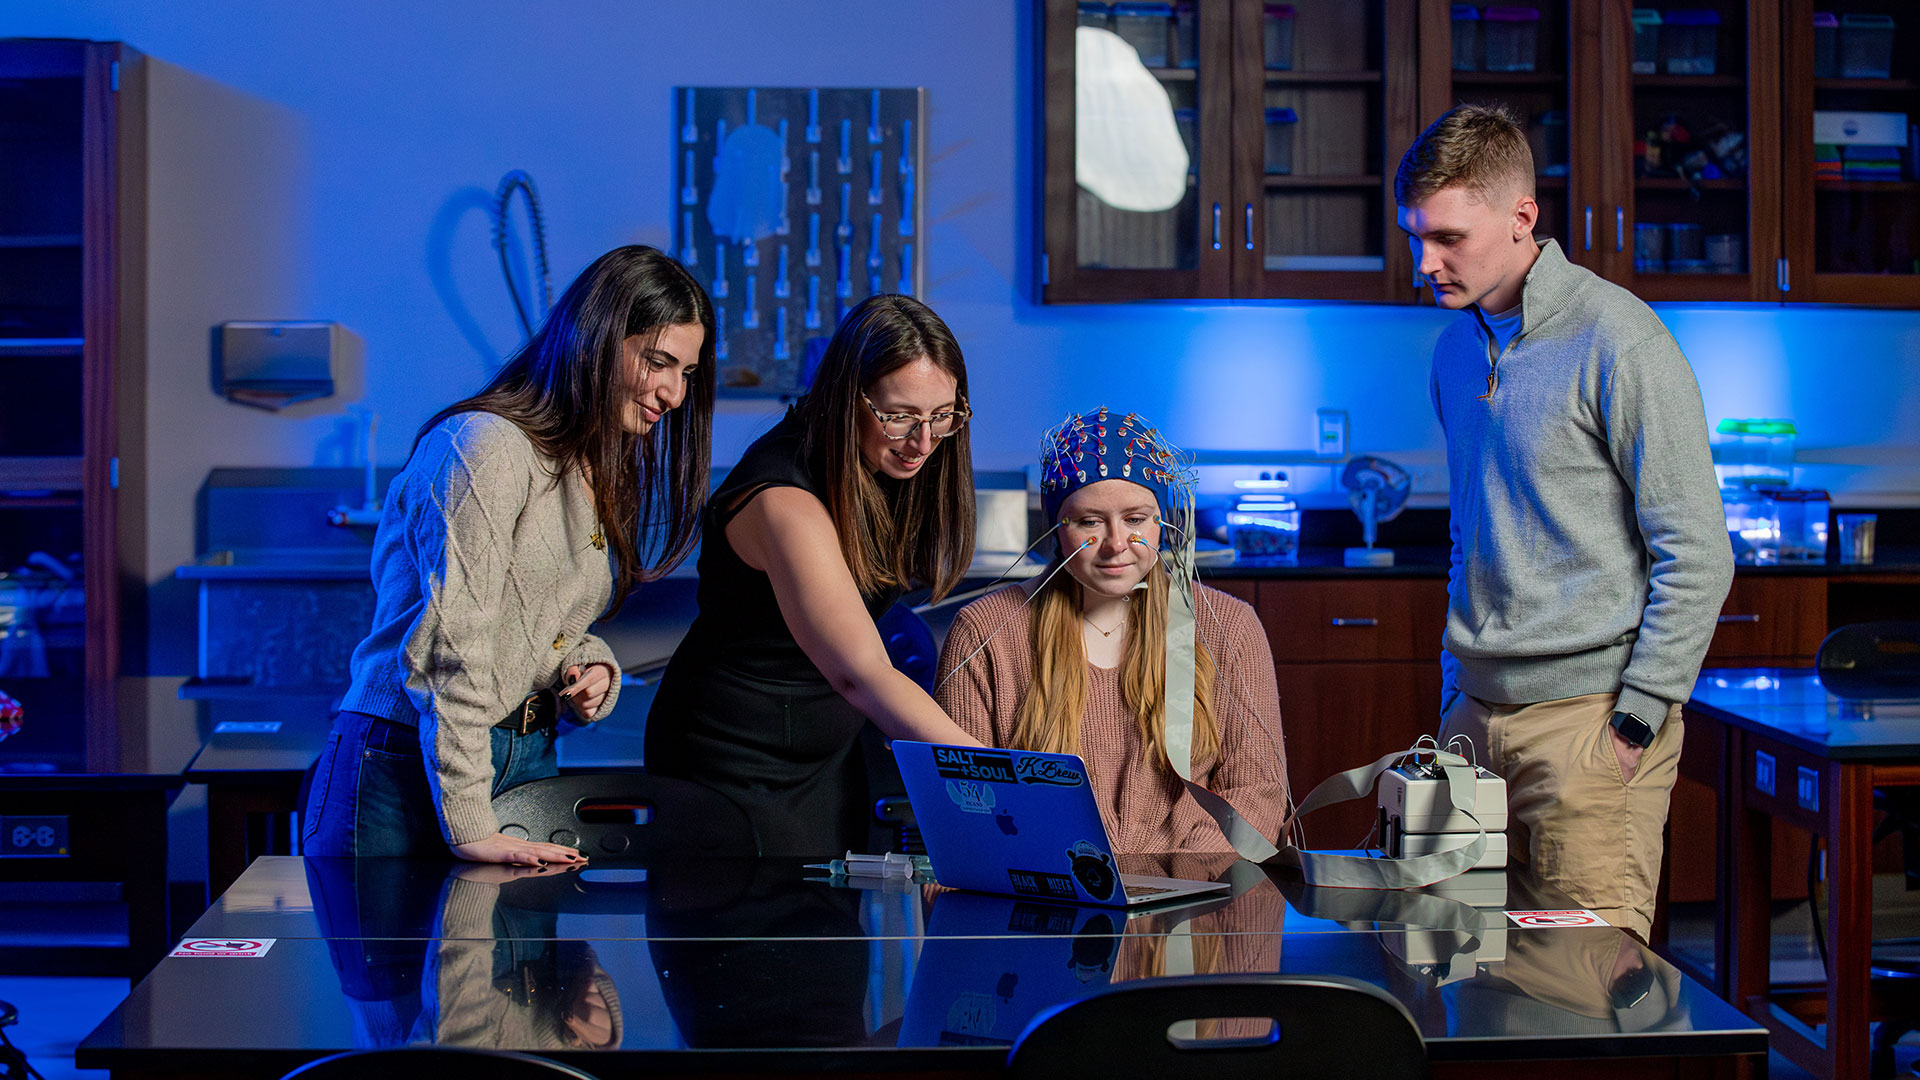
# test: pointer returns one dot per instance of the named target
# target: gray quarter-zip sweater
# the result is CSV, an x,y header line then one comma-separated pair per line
x,y
1590,551
488,567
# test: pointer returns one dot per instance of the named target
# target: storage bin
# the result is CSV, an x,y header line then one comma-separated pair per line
x,y
1512,37
1265,529
1726,253
1753,453
1186,36
1753,525
1098,16
1803,523
1690,41
1686,242
1646,41
1466,37
1649,248
1276,36
1146,27
1826,45
1280,125
1552,159
1866,46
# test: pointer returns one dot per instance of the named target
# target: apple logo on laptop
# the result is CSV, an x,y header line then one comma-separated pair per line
x,y
1005,821
1093,869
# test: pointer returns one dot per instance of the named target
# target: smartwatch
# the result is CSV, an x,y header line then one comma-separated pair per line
x,y
1633,729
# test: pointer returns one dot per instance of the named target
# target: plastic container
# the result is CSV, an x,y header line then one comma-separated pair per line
x,y
1187,122
1753,453
1146,27
1753,525
1803,524
1646,41
1280,128
1856,537
1726,253
1265,528
1686,242
1276,36
1466,37
1690,41
1866,46
1098,16
1186,36
1649,248
1512,36
1551,159
1826,45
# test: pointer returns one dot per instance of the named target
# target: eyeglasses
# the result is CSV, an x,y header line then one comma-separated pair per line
x,y
899,426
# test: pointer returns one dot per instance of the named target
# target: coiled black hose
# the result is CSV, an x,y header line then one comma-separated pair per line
x,y
520,181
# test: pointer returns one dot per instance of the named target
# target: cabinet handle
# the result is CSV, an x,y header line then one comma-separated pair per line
x,y
1356,622
1619,228
1724,619
1785,280
1589,245
1249,226
1216,226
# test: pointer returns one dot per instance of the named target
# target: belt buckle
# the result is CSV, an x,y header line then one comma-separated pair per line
x,y
530,711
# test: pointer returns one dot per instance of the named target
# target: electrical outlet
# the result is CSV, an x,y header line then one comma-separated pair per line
x,y
1763,772
1807,792
42,836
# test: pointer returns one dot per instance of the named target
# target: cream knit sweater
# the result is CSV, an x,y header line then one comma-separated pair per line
x,y
489,568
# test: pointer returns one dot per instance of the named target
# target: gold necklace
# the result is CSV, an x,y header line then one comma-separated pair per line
x,y
1116,626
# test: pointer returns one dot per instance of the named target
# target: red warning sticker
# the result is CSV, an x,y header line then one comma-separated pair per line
x,y
1542,920
232,948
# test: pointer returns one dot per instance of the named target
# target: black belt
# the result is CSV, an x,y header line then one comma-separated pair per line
x,y
539,712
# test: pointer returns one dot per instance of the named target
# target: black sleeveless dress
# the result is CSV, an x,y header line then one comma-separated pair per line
x,y
741,709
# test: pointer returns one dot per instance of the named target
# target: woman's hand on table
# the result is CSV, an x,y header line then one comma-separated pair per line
x,y
517,851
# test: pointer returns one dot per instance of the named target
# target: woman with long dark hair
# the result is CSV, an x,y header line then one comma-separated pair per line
x,y
865,487
524,513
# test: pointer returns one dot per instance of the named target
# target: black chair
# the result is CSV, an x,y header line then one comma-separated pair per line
x,y
627,816
1329,1028
1871,660
413,1062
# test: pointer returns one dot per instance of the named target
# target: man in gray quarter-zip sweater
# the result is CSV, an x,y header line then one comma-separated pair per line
x,y
1590,553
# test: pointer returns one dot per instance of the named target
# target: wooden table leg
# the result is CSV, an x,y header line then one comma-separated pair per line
x,y
226,838
1849,796
1745,901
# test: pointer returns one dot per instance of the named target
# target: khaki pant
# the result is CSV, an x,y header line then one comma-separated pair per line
x,y
1569,815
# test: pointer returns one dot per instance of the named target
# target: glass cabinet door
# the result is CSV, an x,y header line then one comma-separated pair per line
x,y
1688,220
1136,105
1852,135
1326,101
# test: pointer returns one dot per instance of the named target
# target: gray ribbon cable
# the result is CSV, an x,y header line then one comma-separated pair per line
x,y
1319,868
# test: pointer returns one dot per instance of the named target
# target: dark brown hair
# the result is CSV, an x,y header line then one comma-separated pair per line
x,y
566,388
892,532
1479,147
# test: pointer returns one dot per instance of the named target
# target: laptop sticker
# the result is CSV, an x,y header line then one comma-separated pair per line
x,y
971,796
1039,770
1094,949
1093,869
955,763
1039,883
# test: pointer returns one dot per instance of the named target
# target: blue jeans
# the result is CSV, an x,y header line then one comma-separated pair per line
x,y
370,794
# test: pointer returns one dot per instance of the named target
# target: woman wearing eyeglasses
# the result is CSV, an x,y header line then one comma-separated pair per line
x,y
864,487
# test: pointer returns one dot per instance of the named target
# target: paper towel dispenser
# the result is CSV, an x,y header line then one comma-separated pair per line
x,y
271,365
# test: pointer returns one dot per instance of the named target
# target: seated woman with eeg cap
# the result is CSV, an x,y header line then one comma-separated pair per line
x,y
1078,664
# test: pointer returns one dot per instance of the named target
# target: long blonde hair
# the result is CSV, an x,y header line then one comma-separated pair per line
x,y
1052,711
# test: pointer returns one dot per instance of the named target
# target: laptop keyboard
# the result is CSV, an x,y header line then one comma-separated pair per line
x,y
1146,890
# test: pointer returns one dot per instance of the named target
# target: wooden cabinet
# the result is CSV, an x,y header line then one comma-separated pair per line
x,y
1683,172
72,318
1291,124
